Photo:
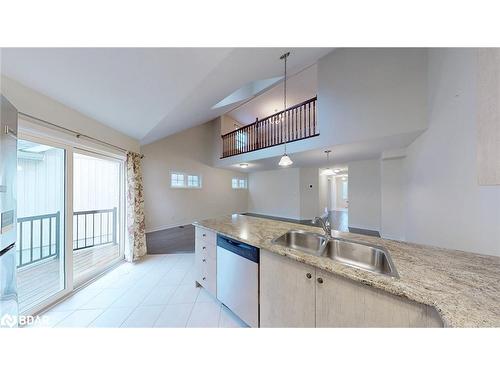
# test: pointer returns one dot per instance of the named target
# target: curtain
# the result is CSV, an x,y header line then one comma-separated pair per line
x,y
135,209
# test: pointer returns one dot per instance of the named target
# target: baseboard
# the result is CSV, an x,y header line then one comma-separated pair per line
x,y
163,227
367,232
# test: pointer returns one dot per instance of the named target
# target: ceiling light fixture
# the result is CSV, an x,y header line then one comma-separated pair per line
x,y
336,170
328,171
243,165
285,160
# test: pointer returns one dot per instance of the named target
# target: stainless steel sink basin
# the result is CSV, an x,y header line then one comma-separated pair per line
x,y
365,257
307,242
354,254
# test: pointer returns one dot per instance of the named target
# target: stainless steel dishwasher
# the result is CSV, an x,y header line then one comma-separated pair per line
x,y
238,278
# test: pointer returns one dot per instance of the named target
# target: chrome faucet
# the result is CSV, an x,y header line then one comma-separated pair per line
x,y
325,224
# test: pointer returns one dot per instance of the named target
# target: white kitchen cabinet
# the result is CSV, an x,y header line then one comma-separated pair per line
x,y
293,294
287,292
341,302
206,259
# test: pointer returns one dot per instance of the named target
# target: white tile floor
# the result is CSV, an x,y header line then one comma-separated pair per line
x,y
159,291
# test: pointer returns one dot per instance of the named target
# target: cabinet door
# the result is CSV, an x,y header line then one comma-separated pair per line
x,y
286,292
344,303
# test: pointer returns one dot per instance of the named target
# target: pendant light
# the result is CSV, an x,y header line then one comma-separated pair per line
x,y
328,171
285,160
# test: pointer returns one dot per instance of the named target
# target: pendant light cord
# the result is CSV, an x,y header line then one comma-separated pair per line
x,y
285,57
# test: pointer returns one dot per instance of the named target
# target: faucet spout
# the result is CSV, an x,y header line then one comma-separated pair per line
x,y
325,224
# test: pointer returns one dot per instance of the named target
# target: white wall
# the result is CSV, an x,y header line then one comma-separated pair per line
x,y
446,206
275,193
364,194
393,198
189,151
228,124
293,193
36,104
324,186
309,193
368,93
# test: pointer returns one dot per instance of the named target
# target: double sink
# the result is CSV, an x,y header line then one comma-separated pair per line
x,y
354,254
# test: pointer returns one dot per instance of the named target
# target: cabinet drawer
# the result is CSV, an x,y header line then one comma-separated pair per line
x,y
206,235
206,272
205,248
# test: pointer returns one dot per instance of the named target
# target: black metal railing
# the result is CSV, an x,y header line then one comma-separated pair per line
x,y
39,237
292,124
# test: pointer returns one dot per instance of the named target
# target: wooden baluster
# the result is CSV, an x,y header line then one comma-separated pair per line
x,y
282,124
271,132
309,117
300,122
257,133
314,117
296,124
289,125
267,133
275,130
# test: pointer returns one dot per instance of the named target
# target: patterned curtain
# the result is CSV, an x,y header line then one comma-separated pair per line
x,y
135,209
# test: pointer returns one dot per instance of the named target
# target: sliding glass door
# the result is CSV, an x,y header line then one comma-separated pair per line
x,y
41,173
70,228
97,214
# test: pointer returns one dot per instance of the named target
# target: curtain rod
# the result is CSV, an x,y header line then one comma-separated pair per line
x,y
76,134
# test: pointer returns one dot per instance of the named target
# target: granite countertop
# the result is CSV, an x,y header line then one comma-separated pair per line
x,y
463,287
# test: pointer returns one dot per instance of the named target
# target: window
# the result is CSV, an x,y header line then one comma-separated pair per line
x,y
239,183
185,180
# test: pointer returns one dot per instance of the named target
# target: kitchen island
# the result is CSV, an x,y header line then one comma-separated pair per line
x,y
462,287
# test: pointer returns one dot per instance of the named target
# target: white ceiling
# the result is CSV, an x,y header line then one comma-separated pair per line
x,y
148,93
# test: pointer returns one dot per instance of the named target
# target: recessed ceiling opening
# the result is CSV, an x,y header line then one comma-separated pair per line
x,y
247,91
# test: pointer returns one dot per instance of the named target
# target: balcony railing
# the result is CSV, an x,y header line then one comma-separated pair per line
x,y
290,125
39,236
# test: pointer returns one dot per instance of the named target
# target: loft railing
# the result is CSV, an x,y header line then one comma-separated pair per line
x,y
39,236
290,125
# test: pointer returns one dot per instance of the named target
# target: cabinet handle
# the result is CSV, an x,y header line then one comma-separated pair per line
x,y
204,260
320,280
204,248
308,275
204,235
204,278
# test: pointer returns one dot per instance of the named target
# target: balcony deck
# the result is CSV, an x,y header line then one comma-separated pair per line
x,y
42,279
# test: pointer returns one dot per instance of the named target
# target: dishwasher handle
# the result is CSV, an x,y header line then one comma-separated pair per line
x,y
239,248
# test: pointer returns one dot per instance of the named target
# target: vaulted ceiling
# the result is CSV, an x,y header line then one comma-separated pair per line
x,y
148,93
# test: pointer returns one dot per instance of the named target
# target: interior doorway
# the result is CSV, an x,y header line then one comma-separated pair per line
x,y
336,198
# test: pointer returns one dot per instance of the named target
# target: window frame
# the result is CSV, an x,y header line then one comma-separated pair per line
x,y
238,183
186,179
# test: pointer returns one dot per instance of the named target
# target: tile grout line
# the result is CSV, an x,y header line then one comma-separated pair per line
x,y
192,308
